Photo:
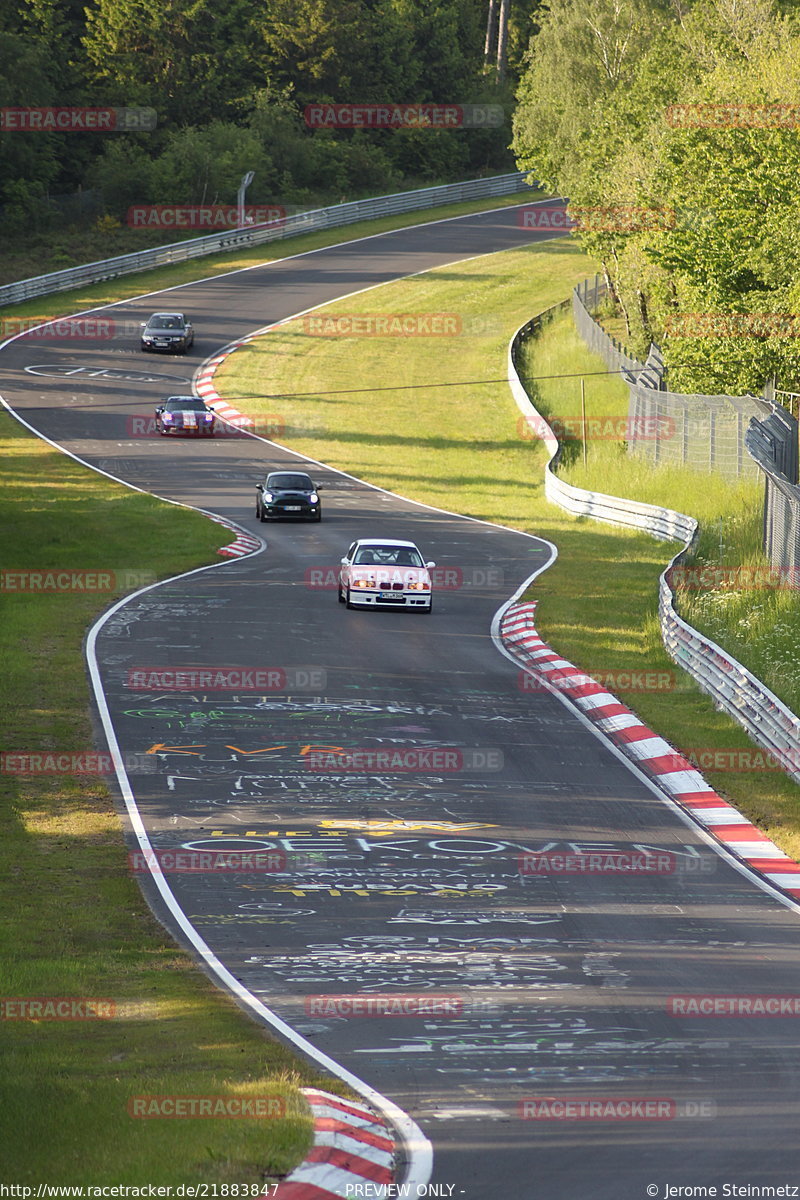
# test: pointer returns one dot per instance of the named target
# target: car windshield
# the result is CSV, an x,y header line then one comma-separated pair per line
x,y
299,482
165,322
185,405
388,556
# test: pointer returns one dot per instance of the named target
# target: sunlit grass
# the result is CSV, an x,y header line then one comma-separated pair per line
x,y
338,400
74,922
756,622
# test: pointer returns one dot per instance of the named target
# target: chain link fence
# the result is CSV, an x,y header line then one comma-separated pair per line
x,y
586,297
705,433
733,688
773,445
736,436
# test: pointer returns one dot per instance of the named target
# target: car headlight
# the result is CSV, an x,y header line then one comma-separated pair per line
x,y
313,498
208,416
267,496
418,585
364,583
166,416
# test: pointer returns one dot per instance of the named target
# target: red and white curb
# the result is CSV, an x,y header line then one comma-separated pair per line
x,y
352,1155
674,774
244,543
204,386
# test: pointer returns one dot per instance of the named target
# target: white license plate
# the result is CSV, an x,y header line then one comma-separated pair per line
x,y
293,507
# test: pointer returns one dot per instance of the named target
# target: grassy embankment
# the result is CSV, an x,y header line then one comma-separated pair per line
x,y
754,621
74,922
461,448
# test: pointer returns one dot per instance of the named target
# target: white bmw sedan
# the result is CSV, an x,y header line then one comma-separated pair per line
x,y
379,572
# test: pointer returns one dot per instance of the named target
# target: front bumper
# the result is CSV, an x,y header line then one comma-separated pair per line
x,y
368,599
166,347
299,512
204,430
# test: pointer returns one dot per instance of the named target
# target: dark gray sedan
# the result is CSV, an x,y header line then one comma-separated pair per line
x,y
170,331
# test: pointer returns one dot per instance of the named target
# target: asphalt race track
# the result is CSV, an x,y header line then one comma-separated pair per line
x,y
523,987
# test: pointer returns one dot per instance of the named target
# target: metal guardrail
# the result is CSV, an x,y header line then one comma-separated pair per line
x,y
768,721
305,222
652,519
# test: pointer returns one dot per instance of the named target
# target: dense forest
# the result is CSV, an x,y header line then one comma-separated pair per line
x,y
230,82
674,128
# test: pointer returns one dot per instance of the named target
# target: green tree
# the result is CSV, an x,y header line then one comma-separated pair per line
x,y
194,62
27,160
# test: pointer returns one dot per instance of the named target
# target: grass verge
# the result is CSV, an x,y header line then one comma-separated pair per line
x,y
755,621
127,287
460,447
74,922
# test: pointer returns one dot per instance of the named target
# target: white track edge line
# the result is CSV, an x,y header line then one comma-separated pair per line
x,y
419,1150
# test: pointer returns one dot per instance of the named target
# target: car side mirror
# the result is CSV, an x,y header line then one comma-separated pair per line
x,y
143,324
343,561
430,564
